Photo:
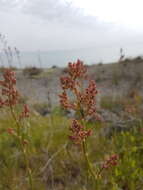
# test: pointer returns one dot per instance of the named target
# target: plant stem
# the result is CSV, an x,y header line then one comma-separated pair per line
x,y
87,160
85,148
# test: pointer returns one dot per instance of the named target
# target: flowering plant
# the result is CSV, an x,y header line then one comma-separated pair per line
x,y
83,104
10,97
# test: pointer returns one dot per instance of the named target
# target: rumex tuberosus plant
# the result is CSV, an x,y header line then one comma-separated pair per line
x,y
82,100
84,104
10,98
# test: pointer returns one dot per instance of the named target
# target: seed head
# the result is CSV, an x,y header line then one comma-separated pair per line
x,y
9,93
78,132
111,161
25,112
67,83
77,70
83,101
65,102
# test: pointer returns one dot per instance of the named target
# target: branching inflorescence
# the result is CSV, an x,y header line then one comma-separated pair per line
x,y
10,97
83,102
108,163
9,94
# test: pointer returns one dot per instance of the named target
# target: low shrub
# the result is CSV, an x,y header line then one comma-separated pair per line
x,y
42,108
32,71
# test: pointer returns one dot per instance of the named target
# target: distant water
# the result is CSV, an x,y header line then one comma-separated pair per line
x,y
62,57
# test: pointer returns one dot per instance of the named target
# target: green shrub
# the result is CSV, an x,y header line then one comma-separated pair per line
x,y
42,108
32,71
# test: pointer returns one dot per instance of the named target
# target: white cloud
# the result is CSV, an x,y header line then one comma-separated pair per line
x,y
56,24
58,11
49,9
5,5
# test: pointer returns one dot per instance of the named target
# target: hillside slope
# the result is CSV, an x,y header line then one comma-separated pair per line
x,y
116,79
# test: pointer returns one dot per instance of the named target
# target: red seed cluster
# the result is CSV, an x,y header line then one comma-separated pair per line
x,y
9,93
65,102
77,70
11,131
78,132
87,99
25,112
83,101
67,83
111,161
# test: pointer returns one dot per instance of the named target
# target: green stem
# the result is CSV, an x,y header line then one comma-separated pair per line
x,y
28,167
15,119
84,141
87,160
100,171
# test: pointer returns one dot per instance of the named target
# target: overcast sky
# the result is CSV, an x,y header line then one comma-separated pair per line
x,y
70,24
